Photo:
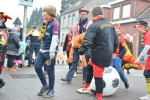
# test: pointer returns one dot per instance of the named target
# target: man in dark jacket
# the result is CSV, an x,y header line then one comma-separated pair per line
x,y
103,41
35,44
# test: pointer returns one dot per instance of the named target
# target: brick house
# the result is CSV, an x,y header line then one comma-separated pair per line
x,y
127,12
71,15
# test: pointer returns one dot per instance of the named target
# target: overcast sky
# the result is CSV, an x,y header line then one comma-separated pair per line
x,y
11,8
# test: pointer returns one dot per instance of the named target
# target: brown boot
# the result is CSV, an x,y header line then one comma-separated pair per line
x,y
13,69
8,68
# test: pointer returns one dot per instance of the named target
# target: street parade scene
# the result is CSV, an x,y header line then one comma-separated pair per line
x,y
75,50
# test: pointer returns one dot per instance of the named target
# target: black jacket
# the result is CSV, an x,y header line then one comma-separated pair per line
x,y
66,42
13,41
103,41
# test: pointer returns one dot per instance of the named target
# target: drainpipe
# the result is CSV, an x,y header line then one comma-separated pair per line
x,y
134,8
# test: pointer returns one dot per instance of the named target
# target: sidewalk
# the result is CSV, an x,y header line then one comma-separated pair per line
x,y
26,85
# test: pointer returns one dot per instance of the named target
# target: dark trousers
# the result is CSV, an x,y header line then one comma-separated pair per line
x,y
88,56
33,48
146,73
39,63
10,60
1,81
68,57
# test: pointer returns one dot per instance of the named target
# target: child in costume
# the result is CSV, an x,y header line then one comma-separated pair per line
x,y
117,58
49,36
145,31
3,40
103,41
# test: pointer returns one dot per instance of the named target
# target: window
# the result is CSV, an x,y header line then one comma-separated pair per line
x,y
69,21
116,13
126,11
73,19
64,21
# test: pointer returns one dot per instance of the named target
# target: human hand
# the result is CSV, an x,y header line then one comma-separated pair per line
x,y
113,55
137,60
81,58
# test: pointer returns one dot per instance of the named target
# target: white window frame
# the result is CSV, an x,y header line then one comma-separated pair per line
x,y
116,13
126,9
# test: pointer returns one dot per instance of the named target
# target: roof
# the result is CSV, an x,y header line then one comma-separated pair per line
x,y
79,4
17,21
144,13
115,2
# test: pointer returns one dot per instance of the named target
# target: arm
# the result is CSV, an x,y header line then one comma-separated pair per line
x,y
116,42
16,41
144,52
122,52
65,43
54,42
29,33
88,40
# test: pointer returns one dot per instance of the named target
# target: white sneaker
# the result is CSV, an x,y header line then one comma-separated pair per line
x,y
147,97
75,74
83,90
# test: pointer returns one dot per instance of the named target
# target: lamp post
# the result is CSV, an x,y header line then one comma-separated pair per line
x,y
25,3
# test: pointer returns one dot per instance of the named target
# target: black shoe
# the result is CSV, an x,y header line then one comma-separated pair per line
x,y
66,80
126,85
28,65
93,91
1,85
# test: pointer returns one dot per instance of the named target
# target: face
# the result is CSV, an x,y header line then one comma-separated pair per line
x,y
83,15
140,28
46,15
71,29
117,29
3,35
18,28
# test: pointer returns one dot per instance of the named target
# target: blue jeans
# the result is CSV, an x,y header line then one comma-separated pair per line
x,y
33,48
88,56
116,63
41,59
74,64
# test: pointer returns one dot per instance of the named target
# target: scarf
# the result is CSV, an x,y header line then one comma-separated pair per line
x,y
143,37
81,24
95,19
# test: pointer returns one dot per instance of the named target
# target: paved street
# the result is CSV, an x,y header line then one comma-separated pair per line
x,y
26,88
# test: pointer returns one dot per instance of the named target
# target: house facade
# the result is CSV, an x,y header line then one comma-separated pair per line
x,y
127,12
71,15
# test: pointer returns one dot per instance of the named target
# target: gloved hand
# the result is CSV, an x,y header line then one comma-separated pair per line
x,y
42,32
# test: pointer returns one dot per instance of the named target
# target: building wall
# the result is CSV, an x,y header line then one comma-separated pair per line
x,y
141,4
107,12
65,25
128,28
95,3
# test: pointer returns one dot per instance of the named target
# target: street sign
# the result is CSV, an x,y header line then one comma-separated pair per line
x,y
26,2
